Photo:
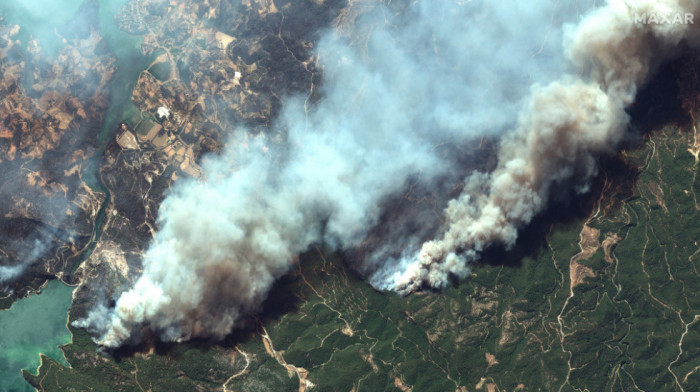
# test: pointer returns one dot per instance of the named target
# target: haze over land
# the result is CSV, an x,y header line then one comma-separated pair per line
x,y
326,176
239,192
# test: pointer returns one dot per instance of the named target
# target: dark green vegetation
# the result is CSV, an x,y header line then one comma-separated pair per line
x,y
172,367
633,323
516,322
5,303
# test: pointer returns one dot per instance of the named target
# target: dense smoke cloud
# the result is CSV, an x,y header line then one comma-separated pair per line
x,y
444,72
565,124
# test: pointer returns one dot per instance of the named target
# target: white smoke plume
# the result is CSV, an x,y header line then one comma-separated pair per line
x,y
565,124
25,258
447,72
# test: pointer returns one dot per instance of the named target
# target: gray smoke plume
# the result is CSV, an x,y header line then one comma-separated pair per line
x,y
561,129
26,256
445,72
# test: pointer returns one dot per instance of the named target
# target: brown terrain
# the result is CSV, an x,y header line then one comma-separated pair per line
x,y
589,245
220,76
52,110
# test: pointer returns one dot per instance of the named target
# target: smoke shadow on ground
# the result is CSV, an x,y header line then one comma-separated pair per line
x,y
174,350
658,104
563,213
282,300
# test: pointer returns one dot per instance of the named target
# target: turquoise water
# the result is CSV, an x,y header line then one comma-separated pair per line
x,y
38,324
130,63
33,325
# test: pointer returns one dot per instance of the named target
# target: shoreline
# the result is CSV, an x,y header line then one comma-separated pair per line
x,y
38,291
